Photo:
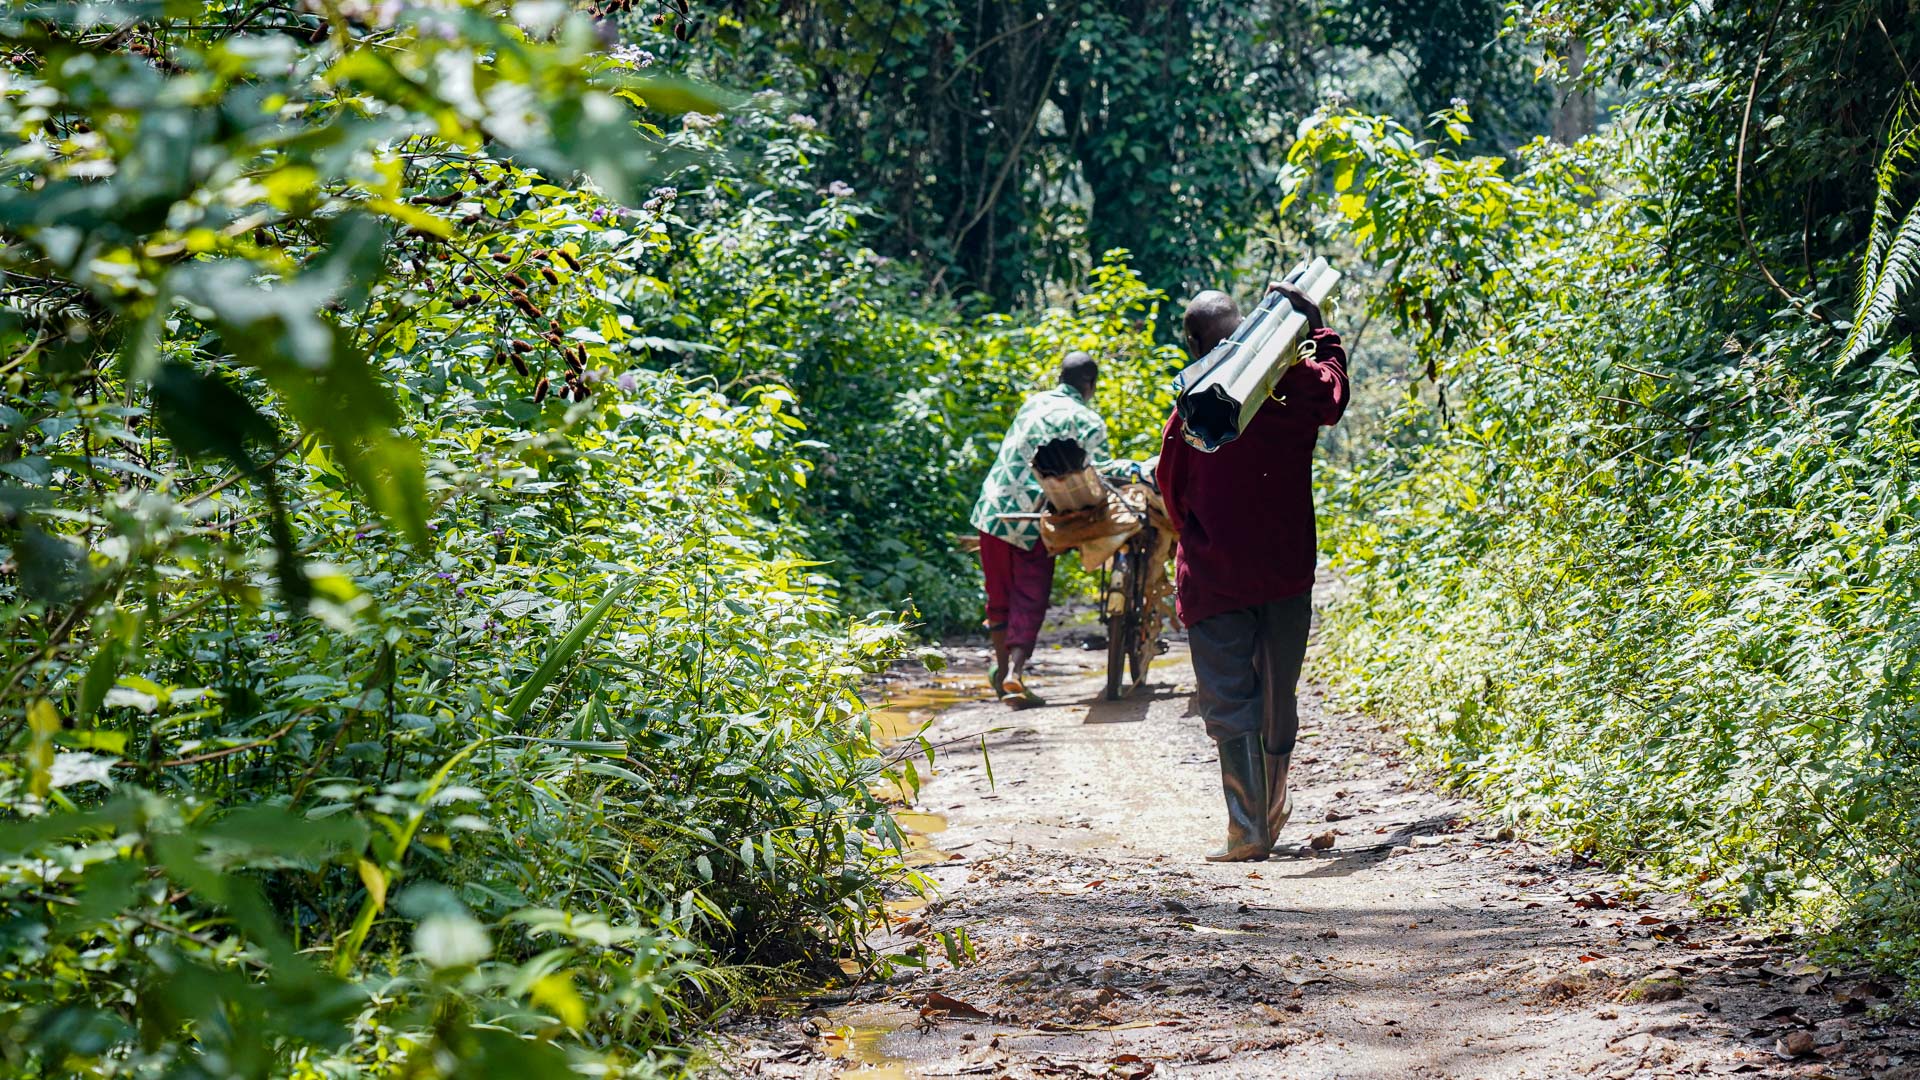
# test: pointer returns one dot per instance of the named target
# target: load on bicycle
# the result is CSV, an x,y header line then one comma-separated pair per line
x,y
1121,530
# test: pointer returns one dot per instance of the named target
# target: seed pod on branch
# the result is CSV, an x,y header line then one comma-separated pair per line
x,y
520,365
552,278
540,390
517,279
501,257
572,263
522,346
471,219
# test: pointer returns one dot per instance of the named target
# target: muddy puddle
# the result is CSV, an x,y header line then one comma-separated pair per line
x,y
862,1050
859,1036
900,713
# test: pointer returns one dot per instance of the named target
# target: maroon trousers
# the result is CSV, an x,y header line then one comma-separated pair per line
x,y
1019,584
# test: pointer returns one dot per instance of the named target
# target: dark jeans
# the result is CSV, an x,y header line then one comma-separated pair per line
x,y
1247,664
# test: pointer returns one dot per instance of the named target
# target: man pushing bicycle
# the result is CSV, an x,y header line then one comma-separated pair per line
x,y
1017,567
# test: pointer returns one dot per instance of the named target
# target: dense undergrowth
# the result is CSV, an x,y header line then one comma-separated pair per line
x,y
442,456
1635,555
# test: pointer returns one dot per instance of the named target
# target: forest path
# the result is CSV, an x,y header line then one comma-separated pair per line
x,y
1426,942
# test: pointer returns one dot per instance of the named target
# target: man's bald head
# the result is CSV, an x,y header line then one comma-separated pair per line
x,y
1210,318
1080,371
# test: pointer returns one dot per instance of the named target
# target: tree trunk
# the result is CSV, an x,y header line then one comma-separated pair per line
x,y
1573,118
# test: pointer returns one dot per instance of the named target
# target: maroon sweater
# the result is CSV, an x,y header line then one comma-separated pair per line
x,y
1245,511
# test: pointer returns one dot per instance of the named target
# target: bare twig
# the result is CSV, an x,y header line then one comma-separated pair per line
x,y
1740,169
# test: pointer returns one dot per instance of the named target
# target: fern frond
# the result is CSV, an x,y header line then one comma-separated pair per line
x,y
1900,150
1896,275
1892,258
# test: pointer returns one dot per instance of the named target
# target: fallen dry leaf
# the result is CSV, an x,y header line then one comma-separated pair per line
x,y
1854,997
952,1006
1794,1044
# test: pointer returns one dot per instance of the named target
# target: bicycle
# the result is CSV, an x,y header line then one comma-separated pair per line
x,y
1121,529
1133,594
1127,536
1123,594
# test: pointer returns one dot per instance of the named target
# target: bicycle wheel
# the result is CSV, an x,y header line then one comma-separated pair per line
x,y
1143,641
1120,614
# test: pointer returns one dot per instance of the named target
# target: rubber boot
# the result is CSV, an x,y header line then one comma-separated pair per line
x,y
1279,798
1243,778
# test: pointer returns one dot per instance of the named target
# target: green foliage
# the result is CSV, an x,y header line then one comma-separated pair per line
x,y
1630,554
1892,261
903,398
1011,144
404,674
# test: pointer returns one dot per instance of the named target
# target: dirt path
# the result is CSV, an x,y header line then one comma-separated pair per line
x,y
1426,942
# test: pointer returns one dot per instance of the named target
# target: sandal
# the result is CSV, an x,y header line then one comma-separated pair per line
x,y
997,681
1014,692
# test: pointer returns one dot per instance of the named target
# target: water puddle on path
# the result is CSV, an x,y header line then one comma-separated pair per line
x,y
921,828
902,713
861,1048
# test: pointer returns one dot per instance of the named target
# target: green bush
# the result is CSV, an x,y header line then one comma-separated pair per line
x,y
1632,555
405,673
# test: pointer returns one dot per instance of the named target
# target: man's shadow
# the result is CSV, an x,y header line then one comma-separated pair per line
x,y
1132,708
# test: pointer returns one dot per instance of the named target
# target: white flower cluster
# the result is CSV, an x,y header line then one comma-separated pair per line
x,y
632,56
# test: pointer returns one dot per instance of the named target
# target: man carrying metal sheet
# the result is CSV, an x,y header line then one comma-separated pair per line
x,y
1017,566
1246,566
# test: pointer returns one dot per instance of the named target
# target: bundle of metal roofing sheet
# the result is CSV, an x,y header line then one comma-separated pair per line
x,y
1219,393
